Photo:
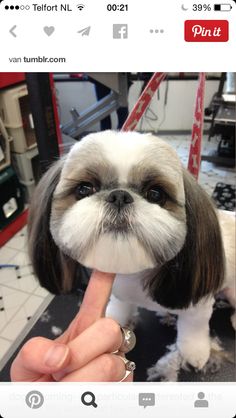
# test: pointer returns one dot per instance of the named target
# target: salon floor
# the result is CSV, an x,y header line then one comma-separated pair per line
x,y
20,294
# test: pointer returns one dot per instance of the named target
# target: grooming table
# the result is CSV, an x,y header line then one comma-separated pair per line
x,y
152,339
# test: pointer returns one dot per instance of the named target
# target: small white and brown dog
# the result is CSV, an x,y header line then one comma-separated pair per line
x,y
123,203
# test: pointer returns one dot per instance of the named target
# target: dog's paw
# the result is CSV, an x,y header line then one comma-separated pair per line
x,y
154,374
160,373
233,321
195,353
217,358
213,365
167,367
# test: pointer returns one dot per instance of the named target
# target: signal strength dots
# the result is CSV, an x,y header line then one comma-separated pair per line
x,y
80,6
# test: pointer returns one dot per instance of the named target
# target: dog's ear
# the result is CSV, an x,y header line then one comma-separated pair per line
x,y
54,269
198,270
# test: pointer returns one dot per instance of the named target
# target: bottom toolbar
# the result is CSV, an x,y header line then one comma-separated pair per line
x,y
166,400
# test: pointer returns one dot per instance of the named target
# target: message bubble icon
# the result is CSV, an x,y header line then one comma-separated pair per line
x,y
146,399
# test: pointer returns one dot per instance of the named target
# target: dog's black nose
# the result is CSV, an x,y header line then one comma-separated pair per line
x,y
119,198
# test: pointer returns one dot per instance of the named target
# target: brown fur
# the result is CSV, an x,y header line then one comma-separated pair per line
x,y
198,270
54,269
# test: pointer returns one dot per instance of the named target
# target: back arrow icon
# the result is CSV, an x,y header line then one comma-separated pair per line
x,y
12,31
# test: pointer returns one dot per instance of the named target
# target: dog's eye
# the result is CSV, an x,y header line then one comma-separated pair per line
x,y
85,189
156,195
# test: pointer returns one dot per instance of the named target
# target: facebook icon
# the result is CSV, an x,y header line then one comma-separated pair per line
x,y
120,31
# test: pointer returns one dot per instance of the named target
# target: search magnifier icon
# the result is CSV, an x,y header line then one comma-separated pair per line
x,y
88,399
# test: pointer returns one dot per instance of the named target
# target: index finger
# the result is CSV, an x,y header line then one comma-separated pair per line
x,y
93,306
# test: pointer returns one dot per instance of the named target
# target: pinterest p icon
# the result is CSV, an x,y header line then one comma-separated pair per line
x,y
34,399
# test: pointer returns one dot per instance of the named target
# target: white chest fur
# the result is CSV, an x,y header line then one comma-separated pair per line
x,y
129,289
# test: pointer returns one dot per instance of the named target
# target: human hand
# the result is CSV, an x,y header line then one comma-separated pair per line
x,y
84,352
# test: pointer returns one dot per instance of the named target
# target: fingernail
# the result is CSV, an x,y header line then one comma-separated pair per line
x,y
56,355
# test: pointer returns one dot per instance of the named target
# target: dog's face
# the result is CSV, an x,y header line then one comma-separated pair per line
x,y
119,205
122,203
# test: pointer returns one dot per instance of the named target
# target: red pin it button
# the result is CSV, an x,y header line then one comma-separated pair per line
x,y
206,30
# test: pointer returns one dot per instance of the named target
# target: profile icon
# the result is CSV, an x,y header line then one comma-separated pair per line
x,y
201,402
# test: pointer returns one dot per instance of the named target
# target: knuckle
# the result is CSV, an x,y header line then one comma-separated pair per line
x,y
111,326
29,346
110,367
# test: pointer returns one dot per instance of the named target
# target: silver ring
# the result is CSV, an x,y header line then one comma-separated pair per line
x,y
130,366
129,340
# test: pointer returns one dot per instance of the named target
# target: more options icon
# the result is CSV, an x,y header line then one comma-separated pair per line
x,y
146,399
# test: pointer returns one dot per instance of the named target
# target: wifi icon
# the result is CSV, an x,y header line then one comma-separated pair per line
x,y
80,6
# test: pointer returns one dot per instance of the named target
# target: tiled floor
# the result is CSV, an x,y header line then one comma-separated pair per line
x,y
20,294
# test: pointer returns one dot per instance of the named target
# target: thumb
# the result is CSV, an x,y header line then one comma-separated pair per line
x,y
39,356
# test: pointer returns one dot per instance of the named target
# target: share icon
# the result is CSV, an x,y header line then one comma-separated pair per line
x,y
85,31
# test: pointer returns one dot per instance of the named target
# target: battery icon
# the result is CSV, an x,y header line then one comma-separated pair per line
x,y
222,7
